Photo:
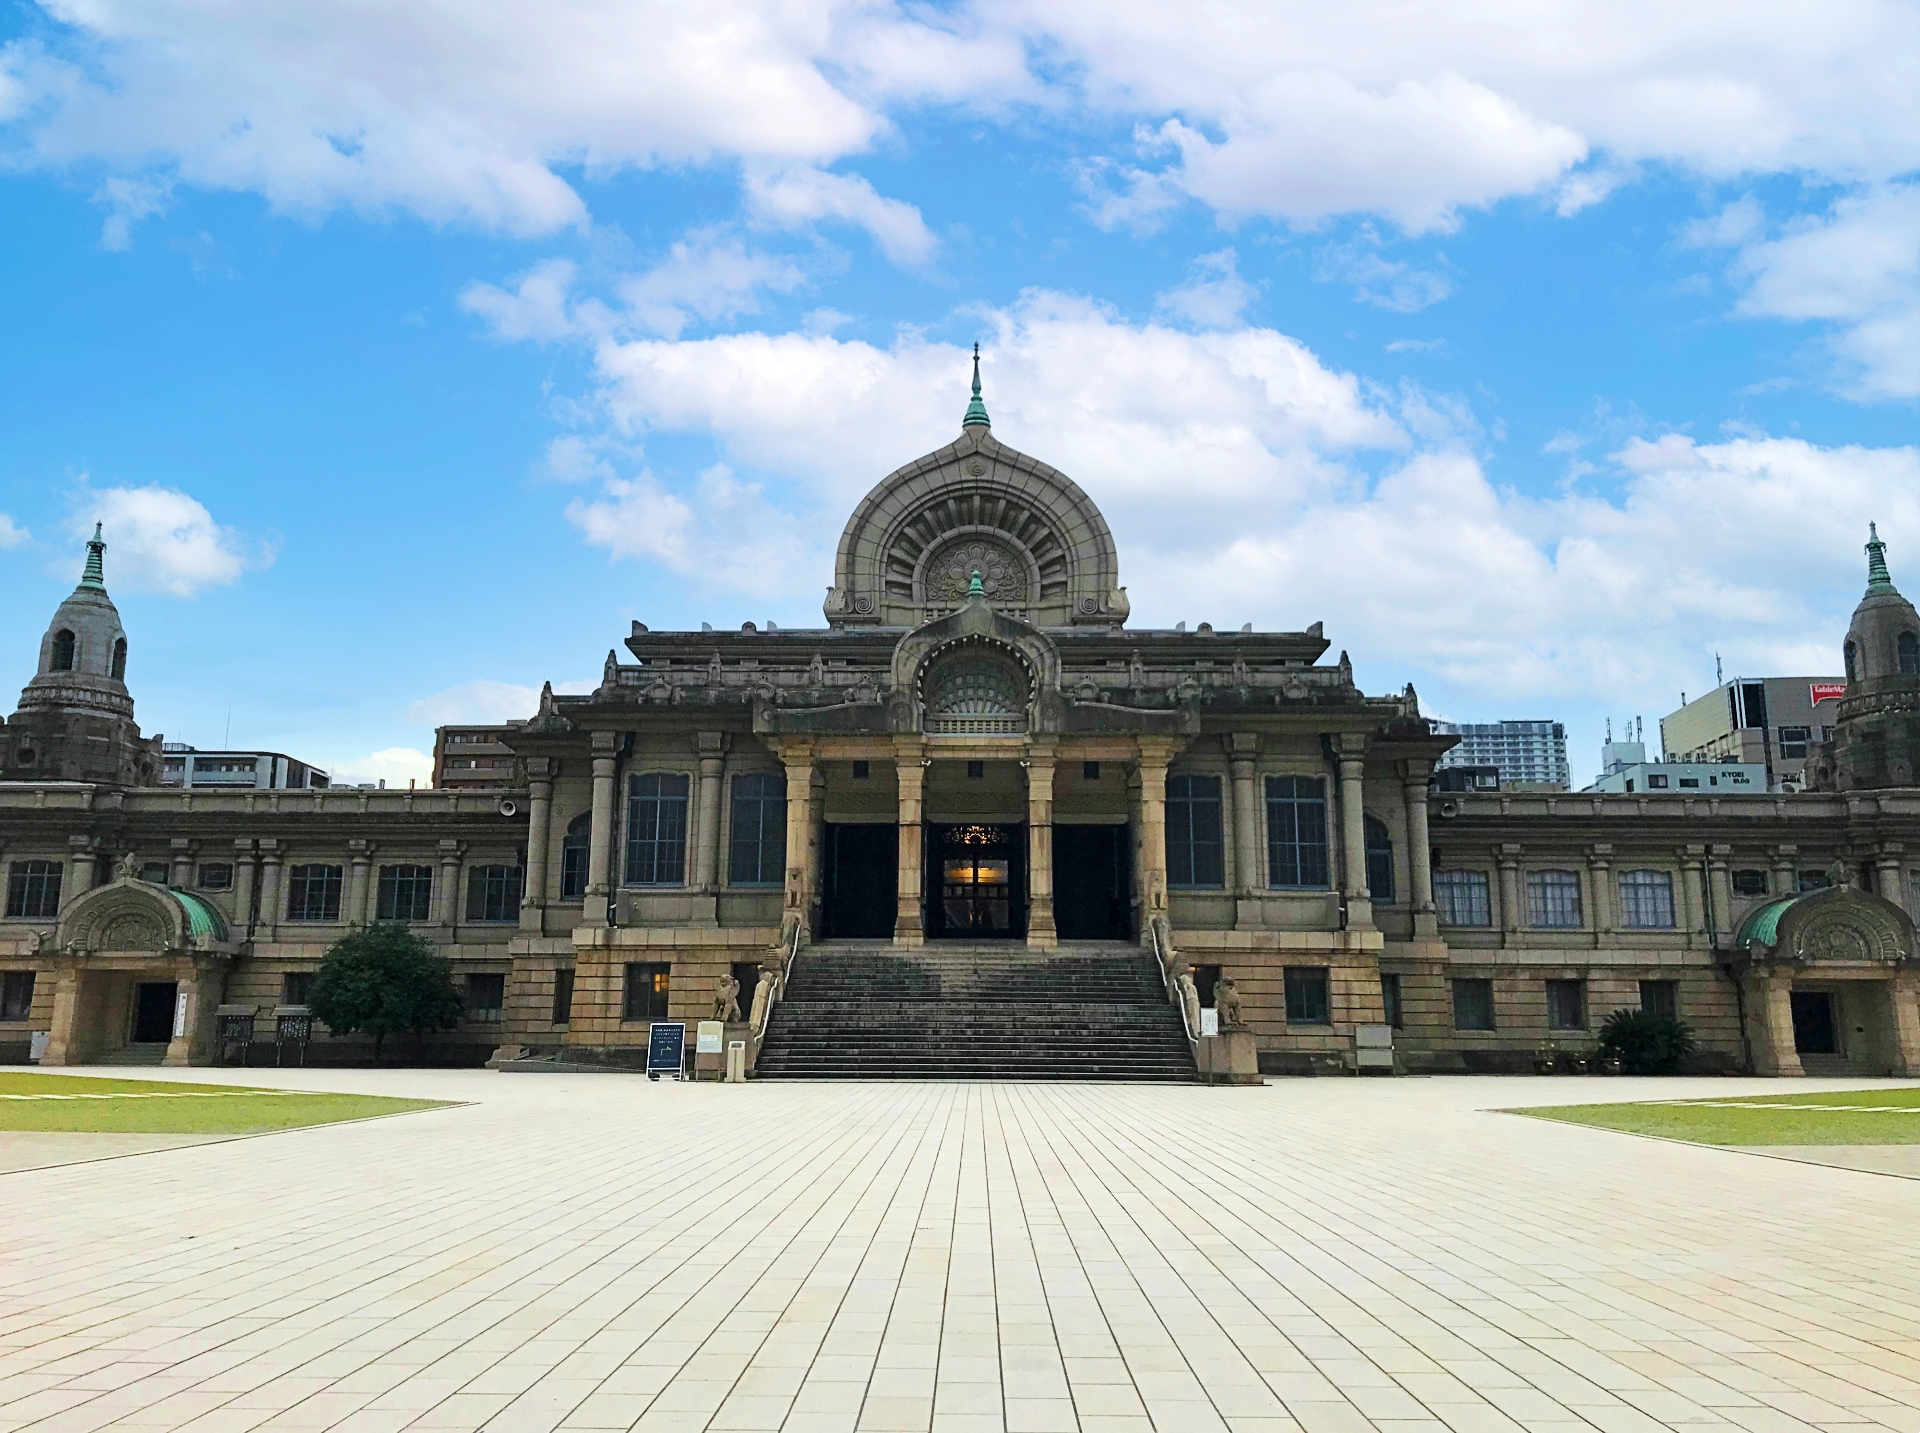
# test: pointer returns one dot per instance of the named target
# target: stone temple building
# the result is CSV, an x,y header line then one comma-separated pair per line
x,y
976,824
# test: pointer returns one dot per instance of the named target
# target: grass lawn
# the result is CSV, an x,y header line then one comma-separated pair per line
x,y
1890,1116
81,1105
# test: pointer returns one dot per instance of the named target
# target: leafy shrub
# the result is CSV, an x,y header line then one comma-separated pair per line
x,y
381,981
1647,1043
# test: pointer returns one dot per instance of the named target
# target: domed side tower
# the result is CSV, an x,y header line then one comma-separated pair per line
x,y
1876,736
75,721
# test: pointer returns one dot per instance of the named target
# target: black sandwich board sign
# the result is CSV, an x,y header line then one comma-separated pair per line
x,y
666,1048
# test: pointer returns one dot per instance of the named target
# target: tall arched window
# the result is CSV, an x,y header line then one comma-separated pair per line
x,y
573,857
1848,652
120,660
1909,655
1379,860
63,650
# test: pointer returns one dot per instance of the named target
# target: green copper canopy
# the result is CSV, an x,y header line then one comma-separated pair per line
x,y
1878,579
976,410
95,575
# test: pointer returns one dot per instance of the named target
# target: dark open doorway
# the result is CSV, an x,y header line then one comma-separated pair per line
x,y
153,1012
862,877
977,882
1091,899
1814,1030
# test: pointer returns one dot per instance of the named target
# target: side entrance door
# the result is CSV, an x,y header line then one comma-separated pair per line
x,y
1814,1031
153,1012
1091,899
862,880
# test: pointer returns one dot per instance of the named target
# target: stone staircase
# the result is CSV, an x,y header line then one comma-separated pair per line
x,y
134,1055
870,1010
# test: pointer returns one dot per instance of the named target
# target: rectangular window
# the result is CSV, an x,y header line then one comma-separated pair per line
x,y
485,995
1089,771
976,771
1566,1004
1749,883
1814,881
1473,1004
217,876
1646,900
1195,853
757,848
405,894
862,770
313,893
1463,898
296,987
493,893
33,889
1793,741
656,830
1553,899
154,872
1390,1002
1296,832
1309,995
646,992
562,996
575,851
1693,781
16,995
1656,782
1660,997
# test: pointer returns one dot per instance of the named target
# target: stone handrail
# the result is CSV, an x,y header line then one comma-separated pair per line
x,y
770,987
1180,988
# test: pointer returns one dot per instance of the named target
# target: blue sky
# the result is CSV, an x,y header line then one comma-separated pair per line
x,y
409,353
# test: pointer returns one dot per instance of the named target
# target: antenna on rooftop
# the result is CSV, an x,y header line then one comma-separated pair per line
x,y
1718,680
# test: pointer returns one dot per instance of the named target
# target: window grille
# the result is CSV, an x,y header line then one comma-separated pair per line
x,y
1379,861
296,987
757,848
1390,1002
16,995
1196,855
562,996
1660,997
1553,899
1473,1004
313,893
646,992
1566,1005
1646,900
977,695
1749,883
33,889
405,893
575,848
1309,995
1463,898
493,893
1297,832
656,830
486,995
216,876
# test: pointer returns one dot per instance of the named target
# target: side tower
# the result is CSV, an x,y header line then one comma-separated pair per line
x,y
75,721
1876,738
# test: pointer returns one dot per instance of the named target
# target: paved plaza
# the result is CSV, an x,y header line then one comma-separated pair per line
x,y
597,1252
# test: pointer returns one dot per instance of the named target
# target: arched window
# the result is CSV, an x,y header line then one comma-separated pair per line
x,y
1379,861
573,857
1909,655
63,650
120,660
976,694
1848,653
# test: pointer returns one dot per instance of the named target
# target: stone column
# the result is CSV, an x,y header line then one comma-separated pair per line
x,y
1426,925
1720,895
1600,880
1350,747
1041,932
600,839
712,746
1249,871
1785,883
449,887
200,984
82,862
910,776
1694,921
181,874
269,887
360,858
1886,876
1770,1023
1904,991
63,1027
533,889
243,886
798,899
1511,910
1151,848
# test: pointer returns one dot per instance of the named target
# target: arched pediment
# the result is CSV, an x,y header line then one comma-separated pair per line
x,y
136,915
1837,926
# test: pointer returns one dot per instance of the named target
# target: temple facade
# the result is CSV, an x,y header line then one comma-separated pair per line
x,y
977,759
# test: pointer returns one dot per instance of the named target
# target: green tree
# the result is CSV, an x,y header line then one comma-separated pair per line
x,y
1647,1044
383,980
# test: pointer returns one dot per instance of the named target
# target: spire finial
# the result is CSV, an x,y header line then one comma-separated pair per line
x,y
95,574
1878,579
976,588
976,410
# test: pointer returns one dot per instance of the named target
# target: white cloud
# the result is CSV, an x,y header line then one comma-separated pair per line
x,y
396,766
130,201
794,197
483,702
1391,284
1215,296
705,275
1855,269
162,539
535,310
12,535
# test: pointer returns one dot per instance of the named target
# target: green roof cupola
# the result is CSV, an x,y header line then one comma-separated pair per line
x,y
1878,578
95,575
976,410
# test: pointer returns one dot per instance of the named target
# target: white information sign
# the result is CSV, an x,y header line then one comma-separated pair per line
x,y
179,1014
1210,1021
708,1037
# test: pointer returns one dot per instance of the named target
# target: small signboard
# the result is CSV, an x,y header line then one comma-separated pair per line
x,y
1209,1021
707,1037
666,1048
1827,691
179,1014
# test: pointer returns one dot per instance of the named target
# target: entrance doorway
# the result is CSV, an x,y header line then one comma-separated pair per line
x,y
1090,886
978,888
153,1011
1815,1031
862,878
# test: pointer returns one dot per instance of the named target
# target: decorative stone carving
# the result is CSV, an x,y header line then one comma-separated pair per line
x,y
1226,1001
130,931
949,572
726,999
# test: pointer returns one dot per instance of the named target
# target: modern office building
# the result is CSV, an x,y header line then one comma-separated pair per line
x,y
1527,753
476,758
1770,722
186,766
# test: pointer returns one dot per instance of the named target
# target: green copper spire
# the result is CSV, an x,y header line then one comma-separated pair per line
x,y
95,576
1877,578
976,588
976,410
